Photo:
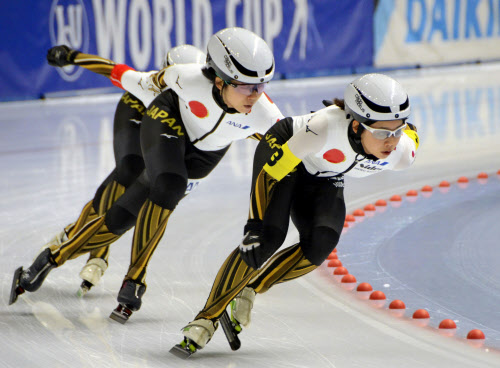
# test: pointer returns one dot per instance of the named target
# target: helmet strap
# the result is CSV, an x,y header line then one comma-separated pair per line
x,y
355,141
217,96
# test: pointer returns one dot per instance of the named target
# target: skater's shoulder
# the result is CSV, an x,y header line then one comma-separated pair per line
x,y
181,77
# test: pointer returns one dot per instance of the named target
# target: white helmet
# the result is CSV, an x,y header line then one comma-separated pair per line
x,y
376,97
184,54
239,54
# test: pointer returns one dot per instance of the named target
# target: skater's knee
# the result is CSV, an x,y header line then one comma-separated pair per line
x,y
322,242
118,220
167,190
128,169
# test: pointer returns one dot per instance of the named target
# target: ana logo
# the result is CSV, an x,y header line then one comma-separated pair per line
x,y
334,156
372,165
192,185
238,125
198,109
69,25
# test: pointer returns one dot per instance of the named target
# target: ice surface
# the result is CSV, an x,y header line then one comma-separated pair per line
x,y
54,154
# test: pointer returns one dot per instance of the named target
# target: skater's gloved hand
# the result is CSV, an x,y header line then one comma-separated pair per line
x,y
251,250
61,55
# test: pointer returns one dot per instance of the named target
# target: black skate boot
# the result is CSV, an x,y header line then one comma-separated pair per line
x,y
32,278
129,298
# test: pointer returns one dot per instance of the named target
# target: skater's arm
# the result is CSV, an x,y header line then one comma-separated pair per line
x,y
63,55
144,85
280,164
307,140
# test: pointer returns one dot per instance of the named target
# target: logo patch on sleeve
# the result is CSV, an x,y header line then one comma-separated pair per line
x,y
334,156
198,109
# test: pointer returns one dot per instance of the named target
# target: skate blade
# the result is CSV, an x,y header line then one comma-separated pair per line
x,y
15,285
84,289
81,292
230,332
181,352
120,314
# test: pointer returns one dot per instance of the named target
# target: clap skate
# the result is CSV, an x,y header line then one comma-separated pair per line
x,y
231,330
196,335
91,273
16,289
241,308
130,301
32,278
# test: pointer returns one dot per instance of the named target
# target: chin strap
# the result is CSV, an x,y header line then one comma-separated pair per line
x,y
217,95
355,141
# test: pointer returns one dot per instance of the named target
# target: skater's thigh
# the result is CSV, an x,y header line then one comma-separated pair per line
x,y
319,215
123,213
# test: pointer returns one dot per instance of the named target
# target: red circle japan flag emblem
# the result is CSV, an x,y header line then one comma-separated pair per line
x,y
334,156
198,109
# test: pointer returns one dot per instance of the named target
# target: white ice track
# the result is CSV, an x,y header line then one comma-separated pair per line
x,y
54,153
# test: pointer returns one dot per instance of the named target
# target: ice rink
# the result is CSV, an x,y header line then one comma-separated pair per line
x,y
438,253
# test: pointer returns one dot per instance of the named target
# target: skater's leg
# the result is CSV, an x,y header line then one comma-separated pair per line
x,y
105,229
105,197
93,235
235,274
232,277
96,265
270,204
129,165
167,191
318,215
102,253
88,214
230,280
150,227
91,210
285,265
128,169
167,174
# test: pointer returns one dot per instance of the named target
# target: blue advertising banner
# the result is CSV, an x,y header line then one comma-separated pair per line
x,y
308,37
433,32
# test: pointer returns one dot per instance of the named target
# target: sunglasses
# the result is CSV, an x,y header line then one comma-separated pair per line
x,y
385,133
247,89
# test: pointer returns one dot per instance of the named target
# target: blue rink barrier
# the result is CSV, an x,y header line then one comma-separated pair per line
x,y
308,37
